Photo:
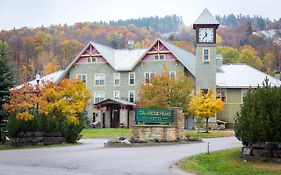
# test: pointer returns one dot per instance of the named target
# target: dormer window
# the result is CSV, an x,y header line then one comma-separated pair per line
x,y
159,57
91,59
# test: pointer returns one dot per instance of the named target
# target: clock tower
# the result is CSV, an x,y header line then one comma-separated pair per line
x,y
205,27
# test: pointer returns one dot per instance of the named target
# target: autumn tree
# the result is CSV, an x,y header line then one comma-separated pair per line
x,y
205,105
249,56
229,54
7,82
60,108
165,92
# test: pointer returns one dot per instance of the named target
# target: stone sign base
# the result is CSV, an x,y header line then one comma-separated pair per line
x,y
268,151
161,133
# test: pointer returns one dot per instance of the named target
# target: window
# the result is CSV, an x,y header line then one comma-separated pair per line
x,y
82,77
116,79
116,94
99,96
172,74
132,78
99,79
204,91
159,57
148,77
222,94
244,94
91,59
206,55
131,97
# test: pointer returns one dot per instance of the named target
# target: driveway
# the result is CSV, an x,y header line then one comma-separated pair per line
x,y
92,158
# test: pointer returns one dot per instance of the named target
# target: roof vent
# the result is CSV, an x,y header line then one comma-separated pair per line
x,y
131,44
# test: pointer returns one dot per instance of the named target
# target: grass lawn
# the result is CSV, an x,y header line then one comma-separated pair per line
x,y
228,162
210,134
9,147
106,132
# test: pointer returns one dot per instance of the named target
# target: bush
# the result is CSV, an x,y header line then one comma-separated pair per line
x,y
71,132
260,117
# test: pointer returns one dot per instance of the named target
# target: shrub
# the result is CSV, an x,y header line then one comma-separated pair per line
x,y
71,132
260,117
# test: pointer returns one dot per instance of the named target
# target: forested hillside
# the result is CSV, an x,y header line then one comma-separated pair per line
x,y
47,49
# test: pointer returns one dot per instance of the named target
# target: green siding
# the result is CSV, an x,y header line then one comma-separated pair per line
x,y
206,72
147,66
231,106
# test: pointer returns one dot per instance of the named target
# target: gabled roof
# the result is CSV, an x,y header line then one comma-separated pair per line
x,y
242,76
206,18
185,57
115,101
126,60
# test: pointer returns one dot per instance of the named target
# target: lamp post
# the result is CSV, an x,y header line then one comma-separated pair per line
x,y
37,77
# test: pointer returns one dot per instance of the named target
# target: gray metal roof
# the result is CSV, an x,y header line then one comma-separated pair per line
x,y
126,60
53,77
206,18
185,57
242,76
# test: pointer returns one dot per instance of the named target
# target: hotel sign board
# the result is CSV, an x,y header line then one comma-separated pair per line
x,y
151,115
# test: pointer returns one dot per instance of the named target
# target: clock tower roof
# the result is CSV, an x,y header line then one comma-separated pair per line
x,y
206,18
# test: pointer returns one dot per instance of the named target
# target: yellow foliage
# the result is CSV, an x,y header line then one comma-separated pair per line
x,y
69,99
24,116
205,105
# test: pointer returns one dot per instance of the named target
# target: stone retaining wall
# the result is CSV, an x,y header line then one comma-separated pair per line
x,y
37,138
268,151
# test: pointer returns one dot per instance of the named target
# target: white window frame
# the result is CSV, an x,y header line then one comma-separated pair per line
x,y
99,75
170,73
203,55
116,76
100,94
242,97
129,78
90,59
115,96
134,94
81,77
157,57
150,76
225,95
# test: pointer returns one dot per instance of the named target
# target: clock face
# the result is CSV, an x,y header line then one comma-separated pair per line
x,y
206,35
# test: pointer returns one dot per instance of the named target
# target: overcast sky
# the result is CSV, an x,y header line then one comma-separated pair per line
x,y
34,13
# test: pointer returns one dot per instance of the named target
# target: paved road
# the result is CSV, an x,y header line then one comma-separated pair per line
x,y
92,158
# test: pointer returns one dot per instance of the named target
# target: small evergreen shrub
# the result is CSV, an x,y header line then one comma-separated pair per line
x,y
260,117
48,124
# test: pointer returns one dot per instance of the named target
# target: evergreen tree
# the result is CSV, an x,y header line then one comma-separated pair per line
x,y
249,29
6,82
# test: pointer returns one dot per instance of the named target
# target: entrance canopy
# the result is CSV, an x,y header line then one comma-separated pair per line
x,y
111,101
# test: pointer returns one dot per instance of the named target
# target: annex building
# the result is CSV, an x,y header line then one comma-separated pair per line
x,y
114,75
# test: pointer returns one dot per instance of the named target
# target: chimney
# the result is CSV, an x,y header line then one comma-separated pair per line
x,y
277,74
131,44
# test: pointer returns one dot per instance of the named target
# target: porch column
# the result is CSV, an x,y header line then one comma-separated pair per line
x,y
107,117
124,116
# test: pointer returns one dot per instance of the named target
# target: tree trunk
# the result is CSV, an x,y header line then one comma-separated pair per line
x,y
207,125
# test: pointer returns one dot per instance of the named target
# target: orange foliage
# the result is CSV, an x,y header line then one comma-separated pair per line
x,y
69,98
165,92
